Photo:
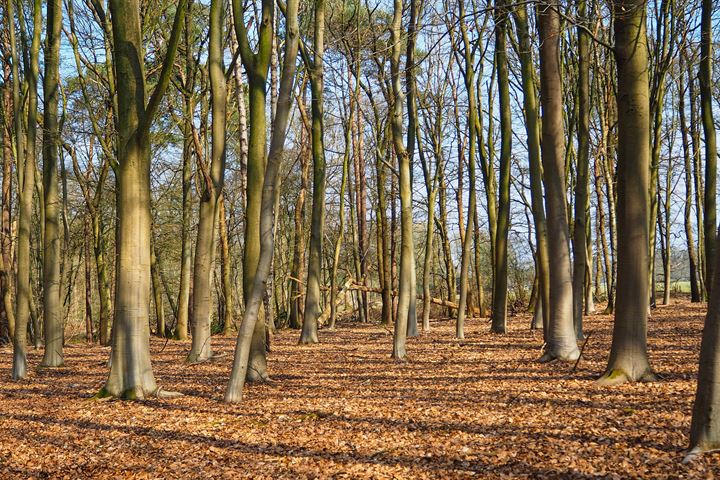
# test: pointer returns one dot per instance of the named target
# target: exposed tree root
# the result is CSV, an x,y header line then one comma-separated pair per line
x,y
197,361
618,376
696,452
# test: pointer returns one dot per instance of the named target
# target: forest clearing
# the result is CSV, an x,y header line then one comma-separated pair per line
x,y
481,408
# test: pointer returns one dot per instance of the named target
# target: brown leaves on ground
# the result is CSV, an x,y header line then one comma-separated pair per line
x,y
343,409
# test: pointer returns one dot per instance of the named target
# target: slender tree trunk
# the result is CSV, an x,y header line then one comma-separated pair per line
x,y
242,361
26,183
213,181
689,184
706,99
580,252
296,272
7,313
469,74
313,309
157,295
499,311
407,255
226,271
88,281
628,354
532,129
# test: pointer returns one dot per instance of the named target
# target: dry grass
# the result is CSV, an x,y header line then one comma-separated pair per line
x,y
343,409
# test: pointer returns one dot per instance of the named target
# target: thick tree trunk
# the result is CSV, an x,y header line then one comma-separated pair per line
x,y
52,308
560,336
131,374
628,355
705,427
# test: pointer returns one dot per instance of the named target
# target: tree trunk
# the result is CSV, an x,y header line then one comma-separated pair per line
x,y
26,184
689,184
500,274
212,182
561,336
52,309
532,129
628,355
581,219
705,426
242,363
131,374
706,99
157,294
313,310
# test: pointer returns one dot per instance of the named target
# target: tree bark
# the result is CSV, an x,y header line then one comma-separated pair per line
x,y
52,309
628,354
561,336
212,181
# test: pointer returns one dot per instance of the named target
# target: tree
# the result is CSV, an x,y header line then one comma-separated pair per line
x,y
560,337
131,374
246,332
25,161
705,77
256,66
500,238
315,70
628,353
705,426
52,314
212,181
407,255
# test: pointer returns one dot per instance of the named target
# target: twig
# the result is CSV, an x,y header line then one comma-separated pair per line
x,y
581,352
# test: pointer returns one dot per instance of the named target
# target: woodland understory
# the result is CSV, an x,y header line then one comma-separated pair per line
x,y
482,407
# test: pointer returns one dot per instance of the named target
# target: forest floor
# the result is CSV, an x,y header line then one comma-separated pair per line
x,y
343,409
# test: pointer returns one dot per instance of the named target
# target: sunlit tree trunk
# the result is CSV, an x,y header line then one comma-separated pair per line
x,y
183,298
246,332
705,426
689,184
706,100
212,181
560,337
7,110
469,75
316,70
628,354
532,129
406,281
25,161
581,219
52,308
131,374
